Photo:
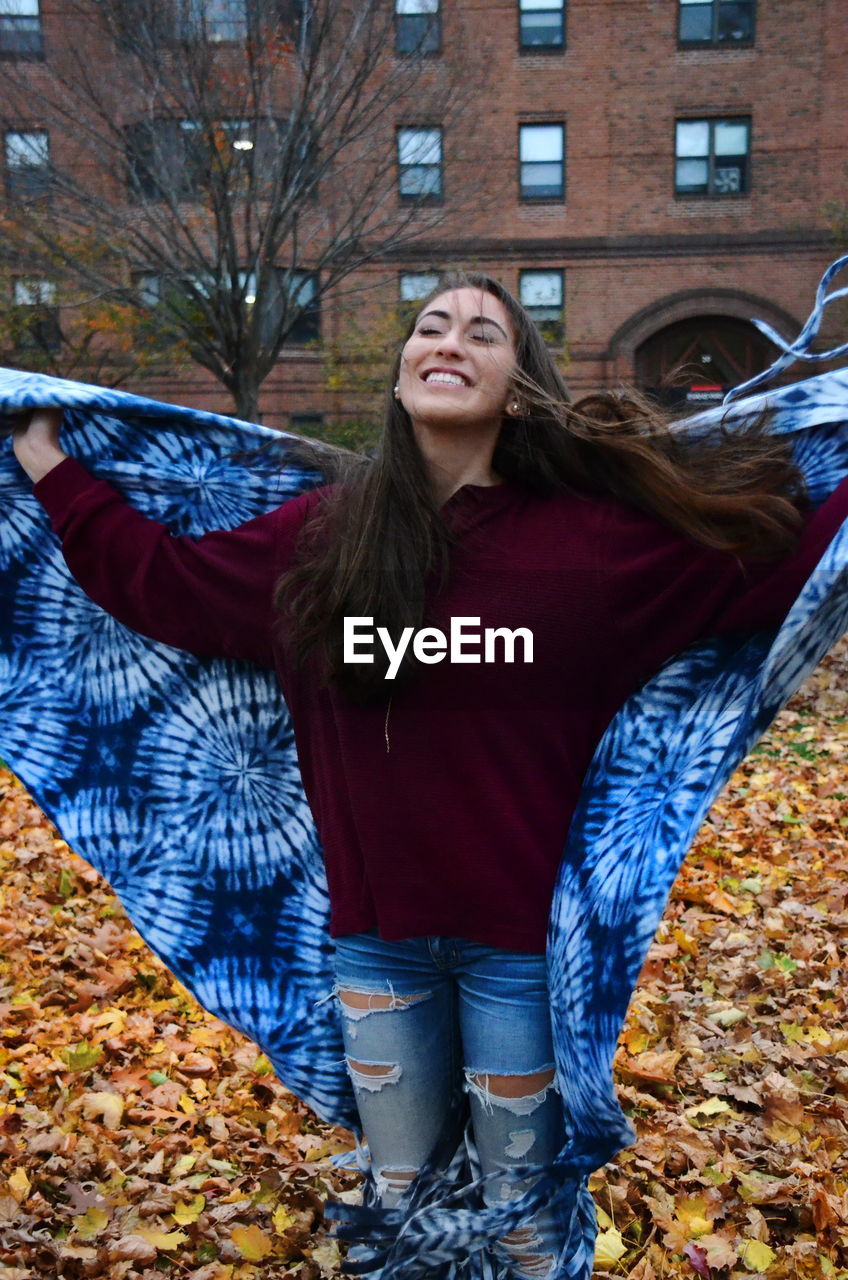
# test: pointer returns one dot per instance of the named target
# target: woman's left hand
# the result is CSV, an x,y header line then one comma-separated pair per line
x,y
36,443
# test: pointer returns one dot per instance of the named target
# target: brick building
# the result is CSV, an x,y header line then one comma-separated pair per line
x,y
651,174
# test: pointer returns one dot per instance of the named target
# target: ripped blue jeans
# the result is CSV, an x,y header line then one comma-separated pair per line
x,y
421,1016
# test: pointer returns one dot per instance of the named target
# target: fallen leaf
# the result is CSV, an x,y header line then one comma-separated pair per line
x,y
252,1243
19,1185
755,1255
609,1247
109,1107
162,1239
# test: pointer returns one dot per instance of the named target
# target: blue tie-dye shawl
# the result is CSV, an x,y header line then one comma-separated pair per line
x,y
176,777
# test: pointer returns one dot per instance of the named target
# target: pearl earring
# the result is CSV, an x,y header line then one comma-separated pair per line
x,y
515,407
397,391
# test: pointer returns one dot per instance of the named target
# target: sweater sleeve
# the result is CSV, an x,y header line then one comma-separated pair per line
x,y
210,595
665,591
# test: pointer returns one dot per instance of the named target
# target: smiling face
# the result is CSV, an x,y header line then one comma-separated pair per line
x,y
456,368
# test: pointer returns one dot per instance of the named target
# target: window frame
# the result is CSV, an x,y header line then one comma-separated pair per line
x,y
33,180
196,21
555,335
11,22
416,51
711,193
307,328
162,162
425,197
417,297
524,47
714,42
40,329
524,196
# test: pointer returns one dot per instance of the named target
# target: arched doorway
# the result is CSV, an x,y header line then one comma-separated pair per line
x,y
691,364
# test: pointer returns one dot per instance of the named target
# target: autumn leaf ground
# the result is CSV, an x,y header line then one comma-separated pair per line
x,y
140,1137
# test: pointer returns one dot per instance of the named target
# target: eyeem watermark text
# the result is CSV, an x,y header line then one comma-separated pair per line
x,y
429,644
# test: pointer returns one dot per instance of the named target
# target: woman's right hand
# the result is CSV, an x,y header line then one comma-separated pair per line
x,y
36,444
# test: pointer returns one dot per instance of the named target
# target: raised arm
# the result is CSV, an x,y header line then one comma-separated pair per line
x,y
210,595
667,592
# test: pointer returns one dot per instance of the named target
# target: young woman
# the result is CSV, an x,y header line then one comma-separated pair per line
x,y
453,625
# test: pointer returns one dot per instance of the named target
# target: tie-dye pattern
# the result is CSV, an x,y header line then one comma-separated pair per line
x,y
177,778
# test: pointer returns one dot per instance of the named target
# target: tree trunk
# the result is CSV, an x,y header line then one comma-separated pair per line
x,y
245,393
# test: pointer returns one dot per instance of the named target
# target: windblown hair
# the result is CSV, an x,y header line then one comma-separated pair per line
x,y
377,545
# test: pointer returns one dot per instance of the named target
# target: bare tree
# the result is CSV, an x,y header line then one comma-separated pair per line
x,y
217,166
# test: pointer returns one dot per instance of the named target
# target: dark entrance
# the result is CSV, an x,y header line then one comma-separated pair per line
x,y
690,365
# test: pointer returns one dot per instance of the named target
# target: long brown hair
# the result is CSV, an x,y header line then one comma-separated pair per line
x,y
378,546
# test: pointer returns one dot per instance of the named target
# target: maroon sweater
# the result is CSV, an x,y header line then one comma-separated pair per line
x,y
458,827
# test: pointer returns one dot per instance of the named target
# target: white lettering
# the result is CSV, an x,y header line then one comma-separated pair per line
x,y
430,644
457,638
395,654
350,640
509,638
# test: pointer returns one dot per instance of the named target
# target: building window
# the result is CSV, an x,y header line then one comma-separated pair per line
x,y
541,24
37,317
420,164
541,294
218,21
720,22
415,285
303,290
162,159
542,155
27,164
175,159
418,26
711,157
20,29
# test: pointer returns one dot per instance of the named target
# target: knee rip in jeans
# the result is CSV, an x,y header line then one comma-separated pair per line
x,y
536,1266
373,1076
511,1091
358,1004
391,1184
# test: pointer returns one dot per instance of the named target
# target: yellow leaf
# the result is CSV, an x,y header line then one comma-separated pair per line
x,y
283,1219
779,1131
756,1255
186,1104
183,1166
109,1107
636,1040
685,941
185,1213
19,1185
82,1056
326,1254
162,1239
604,1220
114,1019
89,1224
704,1110
252,1244
609,1247
692,1212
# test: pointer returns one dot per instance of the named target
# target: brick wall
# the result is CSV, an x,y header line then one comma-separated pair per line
x,y
636,257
